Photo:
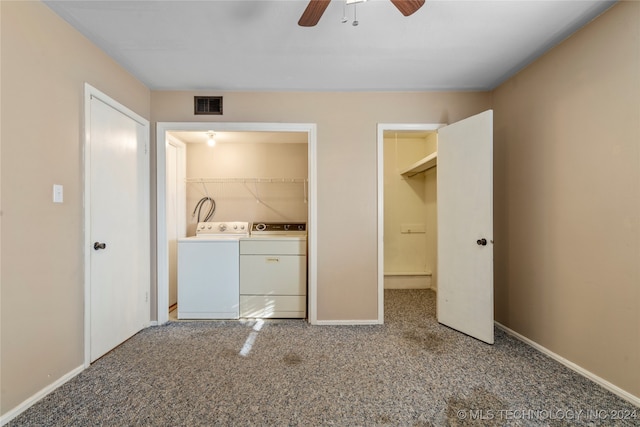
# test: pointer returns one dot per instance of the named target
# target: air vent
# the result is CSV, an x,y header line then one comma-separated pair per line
x,y
207,105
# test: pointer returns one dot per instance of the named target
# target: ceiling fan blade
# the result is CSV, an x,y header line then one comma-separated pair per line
x,y
408,7
313,12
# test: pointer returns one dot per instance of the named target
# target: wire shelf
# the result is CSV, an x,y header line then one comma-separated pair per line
x,y
248,180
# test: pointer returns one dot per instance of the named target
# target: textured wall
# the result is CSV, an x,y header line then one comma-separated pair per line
x,y
408,201
45,64
252,202
567,199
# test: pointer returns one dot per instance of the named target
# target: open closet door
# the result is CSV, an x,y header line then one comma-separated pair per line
x,y
465,226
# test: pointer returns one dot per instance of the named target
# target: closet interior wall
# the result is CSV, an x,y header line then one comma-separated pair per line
x,y
410,222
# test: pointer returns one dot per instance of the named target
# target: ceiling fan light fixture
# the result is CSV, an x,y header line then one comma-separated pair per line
x,y
408,7
355,12
315,8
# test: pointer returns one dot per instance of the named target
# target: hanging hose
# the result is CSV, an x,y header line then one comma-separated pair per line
x,y
200,205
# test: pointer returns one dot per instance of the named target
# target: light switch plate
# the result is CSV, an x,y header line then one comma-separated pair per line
x,y
58,195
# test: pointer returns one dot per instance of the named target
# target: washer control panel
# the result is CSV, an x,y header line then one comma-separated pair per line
x,y
217,228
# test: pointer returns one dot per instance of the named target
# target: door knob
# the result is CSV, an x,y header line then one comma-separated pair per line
x,y
481,242
98,245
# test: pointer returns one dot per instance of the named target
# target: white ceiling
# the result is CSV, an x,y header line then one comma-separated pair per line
x,y
258,45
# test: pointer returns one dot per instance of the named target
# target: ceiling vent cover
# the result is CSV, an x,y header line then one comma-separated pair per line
x,y
207,105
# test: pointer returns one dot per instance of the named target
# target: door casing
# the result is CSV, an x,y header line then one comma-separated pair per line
x,y
382,128
180,218
162,295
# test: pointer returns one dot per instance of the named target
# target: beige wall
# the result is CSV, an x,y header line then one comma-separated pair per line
x,y
346,159
567,199
285,202
44,66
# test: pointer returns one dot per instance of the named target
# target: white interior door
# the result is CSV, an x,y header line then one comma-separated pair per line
x,y
465,226
118,220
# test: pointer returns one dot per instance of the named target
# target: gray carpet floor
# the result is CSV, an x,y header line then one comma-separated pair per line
x,y
411,371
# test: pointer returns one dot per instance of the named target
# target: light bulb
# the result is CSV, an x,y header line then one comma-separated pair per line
x,y
211,141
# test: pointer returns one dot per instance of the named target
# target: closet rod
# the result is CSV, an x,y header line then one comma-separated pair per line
x,y
247,180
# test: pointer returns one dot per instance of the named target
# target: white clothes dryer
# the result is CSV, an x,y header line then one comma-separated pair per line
x,y
273,271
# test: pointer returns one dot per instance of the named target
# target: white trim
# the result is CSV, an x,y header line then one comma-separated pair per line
x,y
13,413
409,273
162,250
312,226
635,400
91,92
382,127
161,130
348,322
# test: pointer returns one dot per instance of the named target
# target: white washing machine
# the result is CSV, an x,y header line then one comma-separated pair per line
x,y
209,271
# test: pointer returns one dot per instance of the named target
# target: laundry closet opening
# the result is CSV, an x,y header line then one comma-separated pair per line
x,y
246,178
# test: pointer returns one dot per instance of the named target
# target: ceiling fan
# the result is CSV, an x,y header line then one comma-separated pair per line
x,y
316,8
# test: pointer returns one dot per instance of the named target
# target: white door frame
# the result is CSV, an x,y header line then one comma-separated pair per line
x,y
181,194
382,127
91,92
162,253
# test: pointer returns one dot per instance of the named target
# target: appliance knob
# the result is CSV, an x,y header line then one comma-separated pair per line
x,y
301,227
261,227
222,227
286,227
235,226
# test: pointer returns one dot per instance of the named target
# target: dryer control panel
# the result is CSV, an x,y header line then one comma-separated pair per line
x,y
279,228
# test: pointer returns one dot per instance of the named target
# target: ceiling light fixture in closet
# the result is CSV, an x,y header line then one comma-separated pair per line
x,y
211,138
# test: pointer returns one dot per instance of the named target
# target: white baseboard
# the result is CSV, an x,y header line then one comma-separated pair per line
x,y
348,322
13,413
407,281
635,400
